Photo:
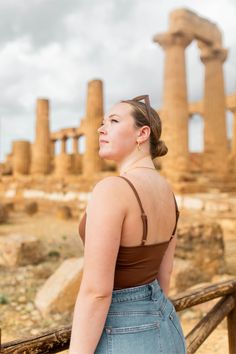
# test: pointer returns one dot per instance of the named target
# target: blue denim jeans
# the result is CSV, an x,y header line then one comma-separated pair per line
x,y
141,320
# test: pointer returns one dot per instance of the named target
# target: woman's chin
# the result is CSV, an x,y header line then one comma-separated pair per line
x,y
106,156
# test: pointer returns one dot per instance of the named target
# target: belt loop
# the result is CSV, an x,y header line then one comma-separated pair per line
x,y
153,292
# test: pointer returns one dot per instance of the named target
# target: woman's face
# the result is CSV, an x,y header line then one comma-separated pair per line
x,y
117,134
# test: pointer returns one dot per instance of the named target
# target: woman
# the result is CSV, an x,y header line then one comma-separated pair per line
x,y
122,305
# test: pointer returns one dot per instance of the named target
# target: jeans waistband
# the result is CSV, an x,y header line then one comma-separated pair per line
x,y
150,291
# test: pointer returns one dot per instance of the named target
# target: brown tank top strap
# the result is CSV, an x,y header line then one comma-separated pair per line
x,y
177,216
143,215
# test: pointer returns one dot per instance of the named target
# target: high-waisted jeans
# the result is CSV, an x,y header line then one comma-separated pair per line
x,y
141,320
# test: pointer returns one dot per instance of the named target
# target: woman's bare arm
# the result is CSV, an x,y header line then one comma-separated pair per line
x,y
105,215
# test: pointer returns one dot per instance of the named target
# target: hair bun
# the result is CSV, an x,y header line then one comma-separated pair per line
x,y
161,148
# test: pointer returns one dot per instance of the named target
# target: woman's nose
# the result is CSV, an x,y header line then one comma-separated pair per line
x,y
101,129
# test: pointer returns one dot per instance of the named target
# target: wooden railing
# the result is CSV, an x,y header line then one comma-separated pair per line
x,y
55,341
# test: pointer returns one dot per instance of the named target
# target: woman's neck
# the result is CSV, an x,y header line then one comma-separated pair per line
x,y
144,161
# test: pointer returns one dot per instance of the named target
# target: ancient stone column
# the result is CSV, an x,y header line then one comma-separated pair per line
x,y
233,145
41,154
215,136
21,157
94,115
53,148
63,165
75,145
63,161
175,105
77,163
63,145
232,158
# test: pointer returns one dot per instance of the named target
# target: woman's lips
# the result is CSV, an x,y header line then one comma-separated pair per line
x,y
103,141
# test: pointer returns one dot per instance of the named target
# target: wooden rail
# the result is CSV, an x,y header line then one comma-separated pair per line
x,y
55,341
204,328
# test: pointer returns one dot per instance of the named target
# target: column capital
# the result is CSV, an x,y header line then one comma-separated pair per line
x,y
208,53
232,109
169,39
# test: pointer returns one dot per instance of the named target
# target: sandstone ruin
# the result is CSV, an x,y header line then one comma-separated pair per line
x,y
189,172
184,27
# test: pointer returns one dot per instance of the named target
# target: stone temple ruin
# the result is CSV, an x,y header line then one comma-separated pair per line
x,y
215,167
217,163
40,158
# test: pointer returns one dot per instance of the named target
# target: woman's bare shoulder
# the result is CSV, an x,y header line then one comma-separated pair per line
x,y
108,183
165,185
109,191
110,187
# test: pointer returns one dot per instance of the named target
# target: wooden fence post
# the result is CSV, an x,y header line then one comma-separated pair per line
x,y
231,321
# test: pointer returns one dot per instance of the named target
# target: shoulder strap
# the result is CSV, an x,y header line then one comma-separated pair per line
x,y
177,216
143,215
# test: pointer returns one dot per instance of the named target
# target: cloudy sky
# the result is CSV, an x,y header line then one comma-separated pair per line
x,y
52,48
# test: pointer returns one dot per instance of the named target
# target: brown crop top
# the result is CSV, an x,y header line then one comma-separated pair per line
x,y
136,265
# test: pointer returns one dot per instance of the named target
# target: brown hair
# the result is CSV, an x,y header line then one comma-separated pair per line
x,y
144,115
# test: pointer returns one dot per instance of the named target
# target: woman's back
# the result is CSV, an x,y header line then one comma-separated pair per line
x,y
159,206
140,255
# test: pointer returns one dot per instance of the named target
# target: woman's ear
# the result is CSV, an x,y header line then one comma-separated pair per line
x,y
144,133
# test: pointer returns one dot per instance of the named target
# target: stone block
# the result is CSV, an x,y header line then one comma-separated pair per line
x,y
228,225
63,212
184,275
192,203
199,255
59,292
31,208
3,213
213,206
20,250
180,266
9,206
203,245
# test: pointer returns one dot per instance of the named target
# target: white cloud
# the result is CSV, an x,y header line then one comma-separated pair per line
x,y
52,49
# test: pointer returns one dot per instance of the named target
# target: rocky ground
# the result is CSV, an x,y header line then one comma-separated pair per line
x,y
18,315
18,287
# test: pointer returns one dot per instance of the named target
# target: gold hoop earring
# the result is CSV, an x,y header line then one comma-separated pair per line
x,y
139,148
